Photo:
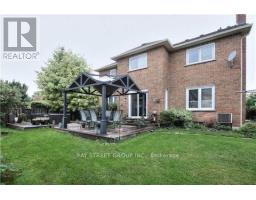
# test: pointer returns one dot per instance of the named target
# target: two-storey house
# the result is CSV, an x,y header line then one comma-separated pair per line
x,y
206,75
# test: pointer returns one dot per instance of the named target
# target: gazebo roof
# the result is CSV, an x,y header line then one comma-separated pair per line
x,y
91,84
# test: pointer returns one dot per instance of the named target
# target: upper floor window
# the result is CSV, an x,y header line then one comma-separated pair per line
x,y
200,54
202,98
138,62
112,72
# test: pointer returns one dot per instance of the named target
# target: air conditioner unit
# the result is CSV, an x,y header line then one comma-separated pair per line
x,y
224,118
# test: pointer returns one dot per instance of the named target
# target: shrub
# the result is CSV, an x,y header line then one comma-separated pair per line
x,y
174,117
222,127
8,172
197,125
248,130
251,112
165,118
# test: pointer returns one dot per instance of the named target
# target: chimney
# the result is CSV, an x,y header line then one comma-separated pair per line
x,y
240,19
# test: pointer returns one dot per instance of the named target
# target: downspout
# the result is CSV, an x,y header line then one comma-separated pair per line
x,y
241,92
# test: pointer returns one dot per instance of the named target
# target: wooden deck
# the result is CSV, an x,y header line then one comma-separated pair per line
x,y
116,134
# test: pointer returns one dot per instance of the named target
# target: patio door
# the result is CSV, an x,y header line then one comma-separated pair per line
x,y
138,105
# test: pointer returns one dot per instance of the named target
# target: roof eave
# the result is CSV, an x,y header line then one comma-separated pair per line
x,y
164,43
244,29
106,68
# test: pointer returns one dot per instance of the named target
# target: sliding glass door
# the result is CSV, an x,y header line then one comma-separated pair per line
x,y
138,105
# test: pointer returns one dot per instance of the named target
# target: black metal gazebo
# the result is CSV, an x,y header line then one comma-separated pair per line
x,y
100,85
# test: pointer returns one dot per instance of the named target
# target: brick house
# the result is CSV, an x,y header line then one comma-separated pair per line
x,y
193,75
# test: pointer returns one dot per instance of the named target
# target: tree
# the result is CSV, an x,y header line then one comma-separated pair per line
x,y
60,72
10,97
22,88
251,100
37,96
251,106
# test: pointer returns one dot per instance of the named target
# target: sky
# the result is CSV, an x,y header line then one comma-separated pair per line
x,y
99,37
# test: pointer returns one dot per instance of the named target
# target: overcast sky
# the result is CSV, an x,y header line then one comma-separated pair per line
x,y
99,37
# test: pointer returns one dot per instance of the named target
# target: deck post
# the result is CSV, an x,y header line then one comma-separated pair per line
x,y
103,122
64,121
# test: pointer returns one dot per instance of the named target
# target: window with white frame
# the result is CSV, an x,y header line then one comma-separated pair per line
x,y
200,54
138,62
202,98
112,72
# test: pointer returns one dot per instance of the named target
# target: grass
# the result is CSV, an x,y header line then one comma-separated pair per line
x,y
174,156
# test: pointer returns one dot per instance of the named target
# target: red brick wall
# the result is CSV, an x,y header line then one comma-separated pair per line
x,y
226,80
168,70
152,78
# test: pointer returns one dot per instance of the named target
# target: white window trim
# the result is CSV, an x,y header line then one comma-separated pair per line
x,y
200,56
199,98
134,57
129,105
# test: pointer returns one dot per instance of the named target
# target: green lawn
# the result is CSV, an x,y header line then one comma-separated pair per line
x,y
176,156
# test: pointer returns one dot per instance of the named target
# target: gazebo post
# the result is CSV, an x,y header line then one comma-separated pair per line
x,y
65,110
103,122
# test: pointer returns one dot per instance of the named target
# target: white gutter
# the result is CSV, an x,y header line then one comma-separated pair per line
x,y
213,36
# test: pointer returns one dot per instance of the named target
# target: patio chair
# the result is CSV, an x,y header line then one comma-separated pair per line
x,y
85,118
94,119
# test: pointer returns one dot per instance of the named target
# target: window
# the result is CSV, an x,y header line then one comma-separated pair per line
x,y
112,72
138,105
200,98
206,99
193,98
200,54
138,62
111,99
